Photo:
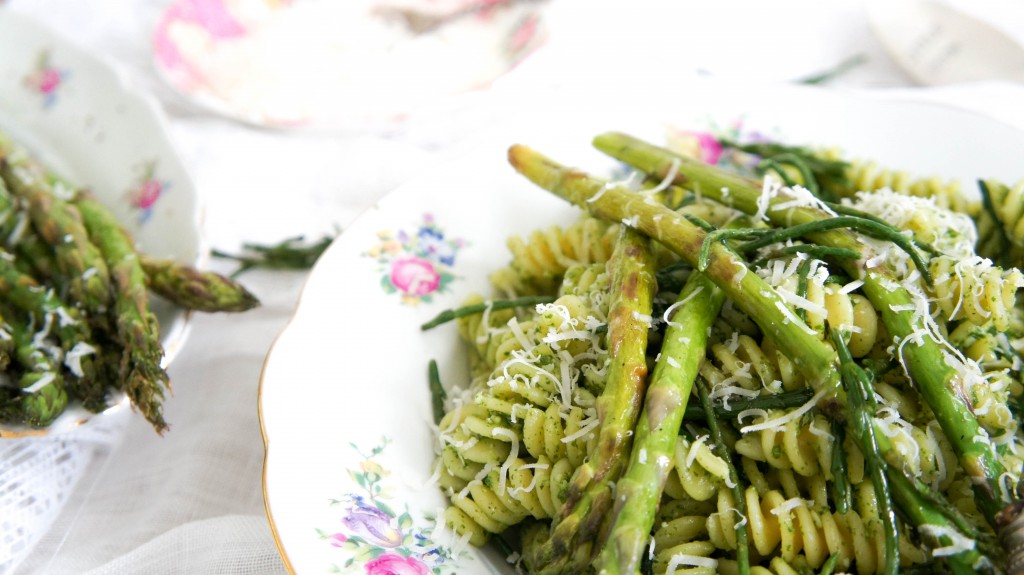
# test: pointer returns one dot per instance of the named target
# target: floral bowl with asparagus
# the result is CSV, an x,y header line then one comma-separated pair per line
x,y
712,330
99,240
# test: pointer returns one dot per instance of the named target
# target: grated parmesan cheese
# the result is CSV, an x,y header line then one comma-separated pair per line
x,y
726,392
802,303
791,318
789,505
958,543
513,453
665,182
769,190
684,560
584,430
73,358
44,380
478,479
694,449
670,311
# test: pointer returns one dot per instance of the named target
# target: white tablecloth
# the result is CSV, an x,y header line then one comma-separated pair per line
x,y
191,501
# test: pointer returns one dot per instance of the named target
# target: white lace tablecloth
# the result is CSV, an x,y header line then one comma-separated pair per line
x,y
118,499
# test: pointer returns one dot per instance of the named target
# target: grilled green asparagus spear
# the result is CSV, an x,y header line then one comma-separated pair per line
x,y
929,365
638,493
48,311
42,395
589,495
195,289
136,328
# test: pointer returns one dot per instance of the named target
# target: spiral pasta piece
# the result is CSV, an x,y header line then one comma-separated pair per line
x,y
824,304
805,448
853,314
466,458
553,432
869,175
490,486
740,364
991,405
680,540
493,502
697,472
540,260
778,566
923,449
985,344
974,290
586,280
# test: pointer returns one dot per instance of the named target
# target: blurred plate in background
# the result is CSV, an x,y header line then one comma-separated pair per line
x,y
330,64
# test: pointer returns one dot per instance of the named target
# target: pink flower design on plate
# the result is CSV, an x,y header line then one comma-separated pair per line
x,y
45,79
146,190
710,148
416,264
394,564
378,539
414,276
147,193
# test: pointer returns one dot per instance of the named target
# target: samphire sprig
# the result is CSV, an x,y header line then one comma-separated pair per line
x,y
295,253
757,238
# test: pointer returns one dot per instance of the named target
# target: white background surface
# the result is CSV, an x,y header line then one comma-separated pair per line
x,y
191,502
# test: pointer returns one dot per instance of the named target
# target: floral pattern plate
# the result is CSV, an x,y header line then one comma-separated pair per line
x,y
77,113
344,400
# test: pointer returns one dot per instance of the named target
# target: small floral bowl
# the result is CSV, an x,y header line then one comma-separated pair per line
x,y
88,122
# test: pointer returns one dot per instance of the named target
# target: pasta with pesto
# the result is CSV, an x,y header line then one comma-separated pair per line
x,y
750,458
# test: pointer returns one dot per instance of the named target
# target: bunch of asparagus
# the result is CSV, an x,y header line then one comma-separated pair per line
x,y
75,319
606,522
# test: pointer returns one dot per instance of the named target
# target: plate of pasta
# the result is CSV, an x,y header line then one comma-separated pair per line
x,y
697,332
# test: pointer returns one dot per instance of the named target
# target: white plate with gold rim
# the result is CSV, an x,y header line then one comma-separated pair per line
x,y
344,401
